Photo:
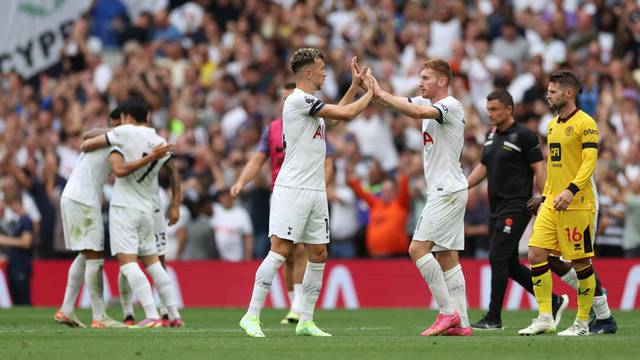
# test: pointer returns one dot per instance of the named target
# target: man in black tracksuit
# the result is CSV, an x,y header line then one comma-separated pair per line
x,y
510,159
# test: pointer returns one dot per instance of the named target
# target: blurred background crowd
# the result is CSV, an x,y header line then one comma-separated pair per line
x,y
211,71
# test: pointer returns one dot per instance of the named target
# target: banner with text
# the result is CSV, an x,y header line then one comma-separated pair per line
x,y
347,284
33,32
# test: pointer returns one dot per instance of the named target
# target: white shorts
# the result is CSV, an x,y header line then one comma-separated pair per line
x,y
131,231
299,215
82,226
160,232
442,220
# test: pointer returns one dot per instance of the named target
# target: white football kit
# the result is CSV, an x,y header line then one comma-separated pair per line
x,y
299,210
81,202
159,221
132,204
442,218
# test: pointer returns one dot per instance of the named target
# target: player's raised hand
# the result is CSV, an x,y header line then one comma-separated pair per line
x,y
368,80
161,150
356,73
235,189
173,214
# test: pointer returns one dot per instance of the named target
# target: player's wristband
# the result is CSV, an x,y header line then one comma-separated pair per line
x,y
573,188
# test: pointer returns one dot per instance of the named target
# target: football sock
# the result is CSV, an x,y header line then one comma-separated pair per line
x,y
454,278
126,295
433,276
75,279
264,278
311,285
296,306
586,290
601,307
141,288
542,285
94,284
165,290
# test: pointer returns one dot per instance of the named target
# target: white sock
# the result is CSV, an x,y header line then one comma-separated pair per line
x,y
291,296
432,274
311,285
93,281
75,279
454,278
601,307
570,278
264,277
163,284
141,288
126,295
296,306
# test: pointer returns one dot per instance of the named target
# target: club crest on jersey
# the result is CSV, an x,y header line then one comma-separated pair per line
x,y
309,100
513,137
568,131
319,132
507,225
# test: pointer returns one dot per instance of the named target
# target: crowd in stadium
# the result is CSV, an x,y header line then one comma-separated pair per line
x,y
212,71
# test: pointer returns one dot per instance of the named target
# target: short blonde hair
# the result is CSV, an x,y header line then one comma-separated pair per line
x,y
440,66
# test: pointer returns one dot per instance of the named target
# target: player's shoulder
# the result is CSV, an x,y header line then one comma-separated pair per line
x,y
450,104
585,119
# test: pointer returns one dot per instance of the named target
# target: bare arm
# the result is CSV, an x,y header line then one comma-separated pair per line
x,y
249,172
94,143
477,175
93,133
348,112
181,234
23,241
121,168
328,170
176,195
407,108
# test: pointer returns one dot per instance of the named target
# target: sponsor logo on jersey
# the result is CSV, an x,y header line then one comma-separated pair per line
x,y
555,151
309,100
319,132
590,132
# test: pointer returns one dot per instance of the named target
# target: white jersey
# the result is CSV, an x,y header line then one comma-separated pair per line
x,y
303,137
139,188
443,140
88,177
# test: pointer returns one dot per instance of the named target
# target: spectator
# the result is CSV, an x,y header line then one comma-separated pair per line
x,y
386,234
233,229
631,242
200,241
19,240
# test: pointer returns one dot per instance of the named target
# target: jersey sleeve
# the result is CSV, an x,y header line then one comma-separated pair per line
x,y
450,109
116,138
307,104
263,145
589,137
531,147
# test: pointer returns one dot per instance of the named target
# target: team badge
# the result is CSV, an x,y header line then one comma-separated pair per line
x,y
507,225
568,131
513,137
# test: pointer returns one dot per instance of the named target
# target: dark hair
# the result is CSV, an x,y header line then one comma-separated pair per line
x,y
289,85
566,78
303,57
135,107
115,114
503,96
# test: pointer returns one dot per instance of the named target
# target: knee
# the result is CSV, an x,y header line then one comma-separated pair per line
x,y
537,256
299,254
318,255
417,250
581,264
281,247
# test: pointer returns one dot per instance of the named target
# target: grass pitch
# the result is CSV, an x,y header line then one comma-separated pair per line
x,y
27,333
